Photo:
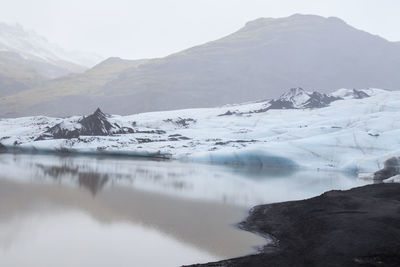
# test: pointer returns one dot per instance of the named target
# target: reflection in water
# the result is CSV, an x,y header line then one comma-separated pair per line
x,y
118,210
45,241
94,182
237,186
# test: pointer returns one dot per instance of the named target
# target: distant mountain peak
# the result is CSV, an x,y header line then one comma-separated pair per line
x,y
31,45
312,17
295,19
112,60
258,22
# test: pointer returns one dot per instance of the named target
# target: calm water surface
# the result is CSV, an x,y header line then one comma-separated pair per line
x,y
87,211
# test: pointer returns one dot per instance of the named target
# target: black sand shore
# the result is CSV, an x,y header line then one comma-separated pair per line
x,y
358,227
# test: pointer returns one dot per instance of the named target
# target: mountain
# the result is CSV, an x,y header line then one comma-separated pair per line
x,y
67,95
28,60
30,45
258,61
18,73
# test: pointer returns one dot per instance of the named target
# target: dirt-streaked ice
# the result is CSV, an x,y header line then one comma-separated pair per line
x,y
351,134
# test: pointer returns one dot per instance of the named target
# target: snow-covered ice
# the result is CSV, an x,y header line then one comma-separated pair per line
x,y
352,134
393,179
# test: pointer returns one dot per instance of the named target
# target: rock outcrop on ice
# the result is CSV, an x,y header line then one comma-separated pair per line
x,y
298,98
96,124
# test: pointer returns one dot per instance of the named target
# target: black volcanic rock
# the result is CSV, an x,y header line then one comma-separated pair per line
x,y
96,124
391,168
358,227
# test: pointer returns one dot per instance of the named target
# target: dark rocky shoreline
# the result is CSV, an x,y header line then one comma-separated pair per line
x,y
358,227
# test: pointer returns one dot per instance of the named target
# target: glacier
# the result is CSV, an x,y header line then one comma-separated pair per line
x,y
355,131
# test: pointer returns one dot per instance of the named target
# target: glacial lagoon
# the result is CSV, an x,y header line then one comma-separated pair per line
x,y
104,211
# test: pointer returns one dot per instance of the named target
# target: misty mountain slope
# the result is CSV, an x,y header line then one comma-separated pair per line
x,y
49,60
18,74
28,60
261,59
72,91
255,62
357,131
30,45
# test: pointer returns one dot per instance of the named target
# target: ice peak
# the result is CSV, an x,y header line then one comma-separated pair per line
x,y
296,96
294,91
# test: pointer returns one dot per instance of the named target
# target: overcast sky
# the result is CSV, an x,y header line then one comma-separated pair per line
x,y
154,28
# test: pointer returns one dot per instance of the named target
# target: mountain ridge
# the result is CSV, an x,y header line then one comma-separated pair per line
x,y
256,62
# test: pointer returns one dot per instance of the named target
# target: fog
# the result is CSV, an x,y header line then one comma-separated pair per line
x,y
155,28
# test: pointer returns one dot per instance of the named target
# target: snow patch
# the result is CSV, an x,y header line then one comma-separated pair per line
x,y
393,179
